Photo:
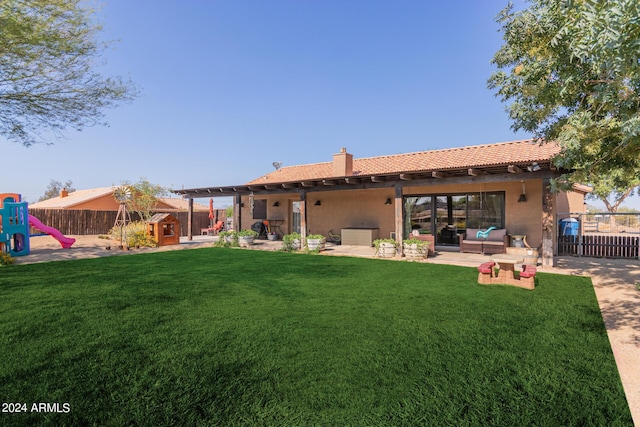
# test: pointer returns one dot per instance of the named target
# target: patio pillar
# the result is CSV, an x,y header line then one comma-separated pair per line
x,y
398,217
303,218
190,220
237,225
548,224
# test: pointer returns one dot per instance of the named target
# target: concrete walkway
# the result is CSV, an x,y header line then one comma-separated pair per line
x,y
616,284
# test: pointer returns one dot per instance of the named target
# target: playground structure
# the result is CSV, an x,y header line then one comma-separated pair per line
x,y
14,226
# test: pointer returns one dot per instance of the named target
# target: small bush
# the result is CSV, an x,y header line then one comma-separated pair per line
x,y
5,259
289,242
224,237
135,234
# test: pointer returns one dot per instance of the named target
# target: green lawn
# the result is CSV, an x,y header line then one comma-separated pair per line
x,y
235,337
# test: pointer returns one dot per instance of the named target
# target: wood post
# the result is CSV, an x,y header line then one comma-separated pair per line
x,y
549,224
190,220
303,218
237,213
398,218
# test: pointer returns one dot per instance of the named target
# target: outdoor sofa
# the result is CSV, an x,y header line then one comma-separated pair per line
x,y
496,241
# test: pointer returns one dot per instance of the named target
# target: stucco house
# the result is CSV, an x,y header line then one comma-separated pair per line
x,y
440,192
101,199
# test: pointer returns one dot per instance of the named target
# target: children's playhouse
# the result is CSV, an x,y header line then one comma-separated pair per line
x,y
14,226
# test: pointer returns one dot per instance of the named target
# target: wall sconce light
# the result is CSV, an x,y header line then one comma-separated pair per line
x,y
523,196
534,167
317,203
276,204
388,201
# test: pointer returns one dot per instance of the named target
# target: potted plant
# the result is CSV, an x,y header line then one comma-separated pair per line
x,y
415,248
229,238
291,242
385,248
316,242
246,238
272,235
228,213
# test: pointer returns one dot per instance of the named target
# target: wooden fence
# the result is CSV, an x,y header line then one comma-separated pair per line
x,y
599,235
86,222
601,246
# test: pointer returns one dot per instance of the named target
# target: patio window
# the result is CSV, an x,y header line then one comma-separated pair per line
x,y
260,209
448,215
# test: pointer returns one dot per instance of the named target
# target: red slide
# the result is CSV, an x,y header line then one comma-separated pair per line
x,y
65,241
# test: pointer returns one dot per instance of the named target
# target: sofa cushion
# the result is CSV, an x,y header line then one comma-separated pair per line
x,y
497,235
472,234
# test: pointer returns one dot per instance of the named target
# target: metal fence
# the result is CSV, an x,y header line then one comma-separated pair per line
x,y
89,222
606,235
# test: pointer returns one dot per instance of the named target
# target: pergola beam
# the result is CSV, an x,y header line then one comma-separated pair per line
x,y
475,172
514,169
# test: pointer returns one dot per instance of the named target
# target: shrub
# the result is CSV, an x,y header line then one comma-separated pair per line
x,y
289,242
378,242
418,242
224,236
134,233
5,259
315,236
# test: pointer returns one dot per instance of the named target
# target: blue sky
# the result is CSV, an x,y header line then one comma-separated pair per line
x,y
228,87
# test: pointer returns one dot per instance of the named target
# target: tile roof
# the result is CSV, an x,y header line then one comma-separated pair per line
x,y
183,204
488,155
74,198
82,196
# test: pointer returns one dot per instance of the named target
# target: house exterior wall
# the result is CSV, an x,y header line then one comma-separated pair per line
x,y
572,201
350,209
367,209
523,218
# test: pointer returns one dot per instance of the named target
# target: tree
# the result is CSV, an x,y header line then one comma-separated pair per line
x,y
144,197
612,197
54,188
48,82
571,73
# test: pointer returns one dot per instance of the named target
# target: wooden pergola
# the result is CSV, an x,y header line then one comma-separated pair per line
x,y
543,170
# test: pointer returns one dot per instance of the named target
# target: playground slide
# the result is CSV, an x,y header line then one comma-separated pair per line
x,y
65,241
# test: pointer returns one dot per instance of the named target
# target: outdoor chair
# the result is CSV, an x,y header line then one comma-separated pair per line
x,y
218,227
335,238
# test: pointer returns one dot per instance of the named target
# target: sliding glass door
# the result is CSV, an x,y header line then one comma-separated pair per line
x,y
449,215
